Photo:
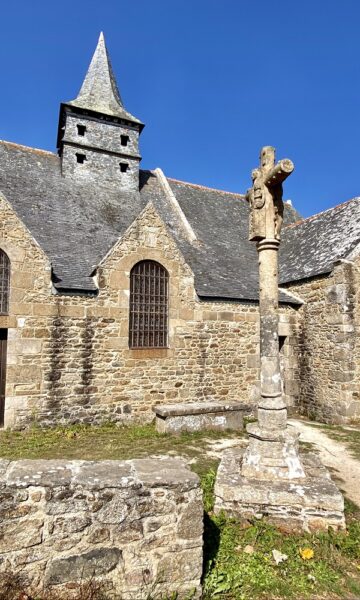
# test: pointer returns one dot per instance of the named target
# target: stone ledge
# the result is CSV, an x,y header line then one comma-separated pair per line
x,y
197,408
163,471
199,416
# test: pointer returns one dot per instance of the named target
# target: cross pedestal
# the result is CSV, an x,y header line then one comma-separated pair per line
x,y
270,477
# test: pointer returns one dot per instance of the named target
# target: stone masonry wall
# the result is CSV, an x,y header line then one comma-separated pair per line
x,y
68,356
136,526
329,359
101,144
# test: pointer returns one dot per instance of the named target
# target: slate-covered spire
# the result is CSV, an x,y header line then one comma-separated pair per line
x,y
99,91
97,138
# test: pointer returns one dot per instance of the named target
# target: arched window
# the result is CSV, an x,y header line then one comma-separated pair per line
x,y
4,283
148,324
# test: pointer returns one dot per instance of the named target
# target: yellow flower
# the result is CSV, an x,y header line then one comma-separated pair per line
x,y
306,553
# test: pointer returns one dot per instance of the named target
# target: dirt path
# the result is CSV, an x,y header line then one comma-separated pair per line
x,y
344,468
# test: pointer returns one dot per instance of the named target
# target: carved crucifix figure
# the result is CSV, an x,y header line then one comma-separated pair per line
x,y
265,196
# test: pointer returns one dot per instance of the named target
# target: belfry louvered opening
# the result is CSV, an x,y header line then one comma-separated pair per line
x,y
4,283
149,298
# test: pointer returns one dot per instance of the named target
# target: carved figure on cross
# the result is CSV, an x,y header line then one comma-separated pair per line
x,y
265,196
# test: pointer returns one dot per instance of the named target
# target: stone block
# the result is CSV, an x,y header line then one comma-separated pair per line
x,y
71,311
284,329
19,308
7,321
19,534
253,361
252,317
119,280
199,416
21,279
28,346
91,564
45,310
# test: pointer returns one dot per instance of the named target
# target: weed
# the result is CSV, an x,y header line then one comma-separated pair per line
x,y
14,586
233,573
207,484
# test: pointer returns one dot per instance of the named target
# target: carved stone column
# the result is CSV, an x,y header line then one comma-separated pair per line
x,y
273,448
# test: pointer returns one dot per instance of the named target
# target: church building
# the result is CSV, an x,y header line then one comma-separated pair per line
x,y
121,289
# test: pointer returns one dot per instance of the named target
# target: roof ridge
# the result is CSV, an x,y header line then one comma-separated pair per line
x,y
28,148
205,187
322,212
188,230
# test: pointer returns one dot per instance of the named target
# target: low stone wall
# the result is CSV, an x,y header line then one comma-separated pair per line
x,y
135,525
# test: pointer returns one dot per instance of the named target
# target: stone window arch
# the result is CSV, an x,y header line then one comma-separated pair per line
x,y
4,282
149,301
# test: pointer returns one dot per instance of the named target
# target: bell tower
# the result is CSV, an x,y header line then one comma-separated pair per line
x,y
97,138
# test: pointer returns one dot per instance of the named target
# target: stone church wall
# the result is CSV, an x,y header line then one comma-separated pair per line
x,y
328,339
68,356
135,526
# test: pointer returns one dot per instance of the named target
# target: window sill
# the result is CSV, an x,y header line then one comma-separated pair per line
x,y
150,352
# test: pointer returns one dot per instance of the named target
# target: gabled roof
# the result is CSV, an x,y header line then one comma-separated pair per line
x,y
311,246
99,91
77,222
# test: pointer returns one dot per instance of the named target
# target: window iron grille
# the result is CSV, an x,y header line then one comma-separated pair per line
x,y
4,283
148,324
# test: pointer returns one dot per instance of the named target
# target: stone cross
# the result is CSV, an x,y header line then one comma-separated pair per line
x,y
272,450
265,197
270,478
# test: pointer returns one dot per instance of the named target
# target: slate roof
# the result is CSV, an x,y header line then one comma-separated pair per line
x,y
225,263
311,246
76,223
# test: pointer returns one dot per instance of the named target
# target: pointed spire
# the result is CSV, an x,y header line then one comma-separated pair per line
x,y
99,91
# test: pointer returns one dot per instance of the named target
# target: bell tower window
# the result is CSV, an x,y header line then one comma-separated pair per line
x,y
81,130
124,167
124,140
81,158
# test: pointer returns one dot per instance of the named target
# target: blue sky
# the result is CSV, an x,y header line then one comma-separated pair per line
x,y
212,80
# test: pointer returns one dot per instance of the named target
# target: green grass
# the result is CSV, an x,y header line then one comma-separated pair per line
x,y
106,442
229,572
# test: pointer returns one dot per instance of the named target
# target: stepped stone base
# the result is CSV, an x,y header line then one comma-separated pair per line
x,y
309,503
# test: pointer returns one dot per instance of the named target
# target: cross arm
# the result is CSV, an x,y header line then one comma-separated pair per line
x,y
279,172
